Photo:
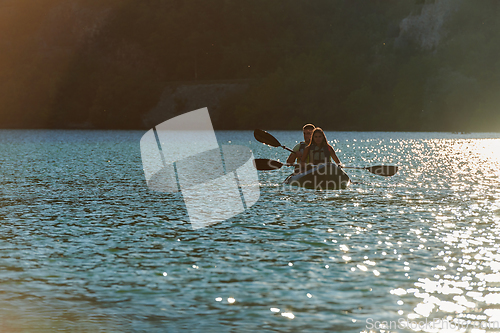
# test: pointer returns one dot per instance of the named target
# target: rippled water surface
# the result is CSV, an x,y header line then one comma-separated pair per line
x,y
86,247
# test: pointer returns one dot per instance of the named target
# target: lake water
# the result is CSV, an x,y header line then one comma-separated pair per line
x,y
86,247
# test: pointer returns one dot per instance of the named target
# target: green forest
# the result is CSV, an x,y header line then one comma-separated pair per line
x,y
388,65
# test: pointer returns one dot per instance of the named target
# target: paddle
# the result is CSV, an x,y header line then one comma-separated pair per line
x,y
264,164
268,139
380,170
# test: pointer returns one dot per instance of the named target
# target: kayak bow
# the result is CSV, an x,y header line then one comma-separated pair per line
x,y
326,176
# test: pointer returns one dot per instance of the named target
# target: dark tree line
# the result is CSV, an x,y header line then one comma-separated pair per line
x,y
343,64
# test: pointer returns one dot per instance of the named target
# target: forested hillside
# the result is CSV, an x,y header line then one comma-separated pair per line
x,y
342,64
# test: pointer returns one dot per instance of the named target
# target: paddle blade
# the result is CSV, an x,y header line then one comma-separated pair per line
x,y
383,170
264,137
264,164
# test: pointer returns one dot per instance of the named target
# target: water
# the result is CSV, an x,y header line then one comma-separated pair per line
x,y
86,247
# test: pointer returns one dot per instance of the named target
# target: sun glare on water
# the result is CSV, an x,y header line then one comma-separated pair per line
x,y
462,292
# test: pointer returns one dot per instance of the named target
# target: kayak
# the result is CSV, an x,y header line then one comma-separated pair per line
x,y
326,176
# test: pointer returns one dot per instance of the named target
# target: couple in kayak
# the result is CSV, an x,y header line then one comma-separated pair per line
x,y
315,148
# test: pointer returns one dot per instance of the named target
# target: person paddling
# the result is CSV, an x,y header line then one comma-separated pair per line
x,y
319,150
299,147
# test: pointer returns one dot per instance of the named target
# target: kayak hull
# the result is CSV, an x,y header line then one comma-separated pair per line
x,y
327,176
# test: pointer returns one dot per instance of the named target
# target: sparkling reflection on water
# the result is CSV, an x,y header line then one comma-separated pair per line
x,y
86,247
